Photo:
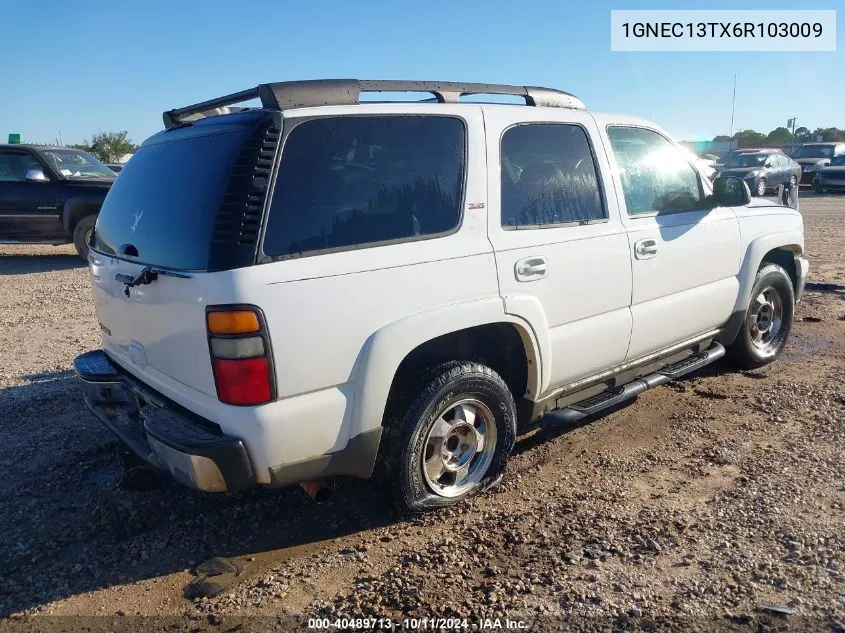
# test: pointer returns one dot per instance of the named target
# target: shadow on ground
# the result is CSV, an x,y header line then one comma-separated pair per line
x,y
27,264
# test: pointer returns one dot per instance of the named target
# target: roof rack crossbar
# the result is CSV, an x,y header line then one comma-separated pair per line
x,y
320,92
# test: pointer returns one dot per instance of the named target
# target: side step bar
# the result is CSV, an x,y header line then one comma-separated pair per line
x,y
612,397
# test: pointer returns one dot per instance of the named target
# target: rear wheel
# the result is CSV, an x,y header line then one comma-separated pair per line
x,y
768,319
451,440
82,234
761,187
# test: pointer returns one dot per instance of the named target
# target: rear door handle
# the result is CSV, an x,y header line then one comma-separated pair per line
x,y
530,268
645,249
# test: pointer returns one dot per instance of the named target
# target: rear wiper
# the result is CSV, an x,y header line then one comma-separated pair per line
x,y
147,276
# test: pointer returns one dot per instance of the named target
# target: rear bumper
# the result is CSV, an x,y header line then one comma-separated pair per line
x,y
194,451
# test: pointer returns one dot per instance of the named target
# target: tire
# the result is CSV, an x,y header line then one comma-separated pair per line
x,y
82,234
768,319
761,187
817,188
463,401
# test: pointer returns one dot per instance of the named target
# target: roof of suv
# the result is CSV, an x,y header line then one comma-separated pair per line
x,y
324,92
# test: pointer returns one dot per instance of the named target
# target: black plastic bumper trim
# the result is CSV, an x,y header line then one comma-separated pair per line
x,y
168,426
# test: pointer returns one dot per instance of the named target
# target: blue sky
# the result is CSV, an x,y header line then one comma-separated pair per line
x,y
78,67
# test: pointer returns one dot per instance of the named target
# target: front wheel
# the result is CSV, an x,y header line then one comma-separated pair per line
x,y
449,438
82,234
768,319
761,187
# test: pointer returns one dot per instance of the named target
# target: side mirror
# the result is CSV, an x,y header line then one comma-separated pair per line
x,y
731,192
35,175
767,165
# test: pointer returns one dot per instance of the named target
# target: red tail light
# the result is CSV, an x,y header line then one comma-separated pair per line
x,y
245,381
240,355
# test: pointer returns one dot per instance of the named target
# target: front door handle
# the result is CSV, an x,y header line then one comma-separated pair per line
x,y
530,268
645,249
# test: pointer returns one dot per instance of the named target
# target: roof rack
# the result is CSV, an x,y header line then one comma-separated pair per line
x,y
285,95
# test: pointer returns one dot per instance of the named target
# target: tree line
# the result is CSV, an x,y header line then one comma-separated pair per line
x,y
108,146
782,136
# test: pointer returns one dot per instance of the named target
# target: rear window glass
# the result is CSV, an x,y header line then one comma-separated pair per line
x,y
165,203
363,180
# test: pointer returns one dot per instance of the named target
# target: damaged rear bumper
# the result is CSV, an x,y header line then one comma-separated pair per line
x,y
194,451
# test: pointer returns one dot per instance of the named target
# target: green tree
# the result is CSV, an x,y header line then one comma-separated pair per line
x,y
108,146
802,134
779,136
749,138
828,134
721,138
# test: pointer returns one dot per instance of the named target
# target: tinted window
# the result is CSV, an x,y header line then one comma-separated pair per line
x,y
814,151
14,165
356,180
655,175
548,176
166,200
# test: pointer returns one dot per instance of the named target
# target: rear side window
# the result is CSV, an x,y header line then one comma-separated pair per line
x,y
656,177
354,181
548,176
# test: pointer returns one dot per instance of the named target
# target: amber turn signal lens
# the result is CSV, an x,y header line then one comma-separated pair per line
x,y
233,322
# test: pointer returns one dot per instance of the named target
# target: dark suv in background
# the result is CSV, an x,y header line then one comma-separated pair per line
x,y
50,195
762,171
813,157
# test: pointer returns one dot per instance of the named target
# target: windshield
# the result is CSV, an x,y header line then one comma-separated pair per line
x,y
814,151
76,165
746,160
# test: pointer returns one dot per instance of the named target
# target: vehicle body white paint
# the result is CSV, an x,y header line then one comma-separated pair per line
x,y
341,323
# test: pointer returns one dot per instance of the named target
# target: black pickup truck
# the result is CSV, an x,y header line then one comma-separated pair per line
x,y
50,195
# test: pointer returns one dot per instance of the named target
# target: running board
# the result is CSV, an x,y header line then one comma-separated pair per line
x,y
612,397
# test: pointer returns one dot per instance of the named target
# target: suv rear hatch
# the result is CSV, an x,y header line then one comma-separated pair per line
x,y
188,205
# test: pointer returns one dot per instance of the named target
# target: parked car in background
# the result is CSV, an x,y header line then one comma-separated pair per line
x,y
50,194
762,171
831,177
455,238
115,167
813,156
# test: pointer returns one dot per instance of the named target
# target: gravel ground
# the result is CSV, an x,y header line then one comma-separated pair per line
x,y
700,505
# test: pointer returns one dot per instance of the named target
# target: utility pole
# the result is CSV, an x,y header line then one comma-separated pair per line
x,y
733,108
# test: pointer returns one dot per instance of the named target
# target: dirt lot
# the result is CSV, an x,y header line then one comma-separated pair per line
x,y
696,506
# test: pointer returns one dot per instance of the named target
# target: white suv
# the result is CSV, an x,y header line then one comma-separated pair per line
x,y
330,286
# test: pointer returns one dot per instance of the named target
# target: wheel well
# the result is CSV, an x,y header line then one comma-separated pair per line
x,y
497,345
785,258
80,211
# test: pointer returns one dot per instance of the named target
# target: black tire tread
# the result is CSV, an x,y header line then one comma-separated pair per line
x,y
741,352
402,415
79,234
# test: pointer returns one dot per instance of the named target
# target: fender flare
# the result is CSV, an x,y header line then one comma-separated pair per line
x,y
787,241
72,204
386,348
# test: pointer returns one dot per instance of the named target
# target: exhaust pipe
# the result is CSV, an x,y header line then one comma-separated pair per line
x,y
318,489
